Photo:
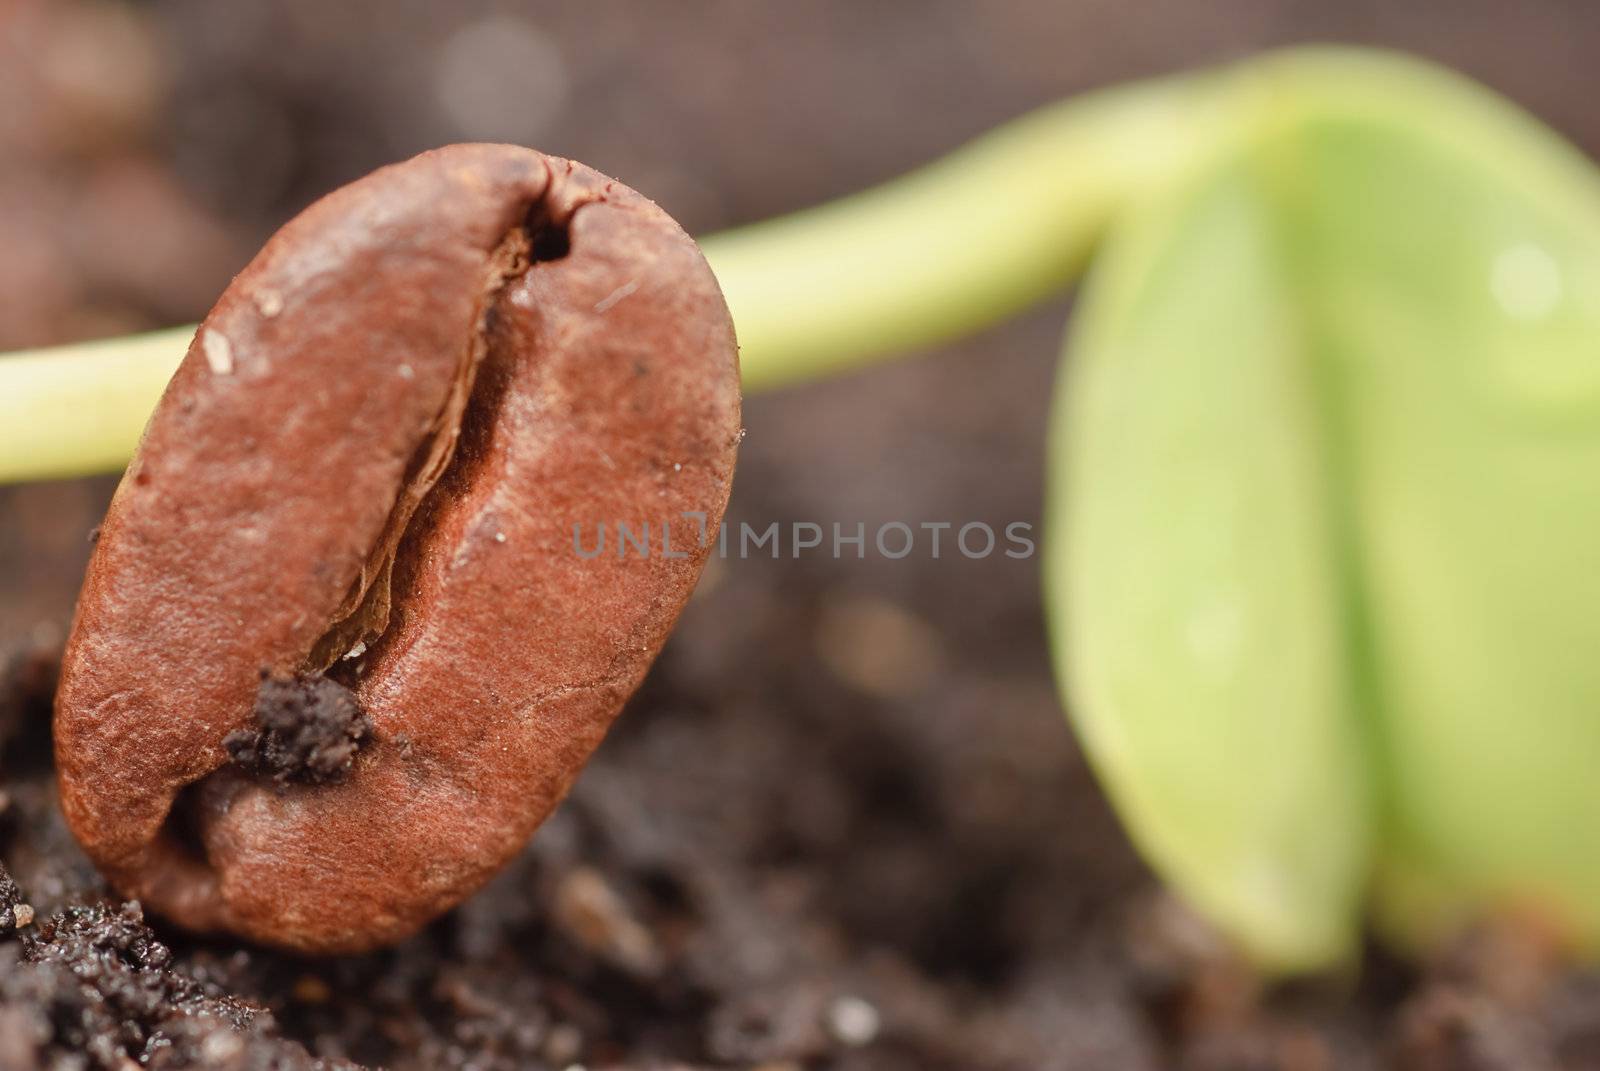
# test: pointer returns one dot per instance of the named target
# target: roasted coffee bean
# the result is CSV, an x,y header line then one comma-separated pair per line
x,y
369,470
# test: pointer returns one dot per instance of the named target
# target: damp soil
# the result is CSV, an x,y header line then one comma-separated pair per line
x,y
812,887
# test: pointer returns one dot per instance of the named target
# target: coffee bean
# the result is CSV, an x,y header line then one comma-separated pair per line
x,y
369,469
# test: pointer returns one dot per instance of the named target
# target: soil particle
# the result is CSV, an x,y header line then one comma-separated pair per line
x,y
309,728
14,914
94,990
1448,1029
590,912
1188,978
1490,1002
1259,1050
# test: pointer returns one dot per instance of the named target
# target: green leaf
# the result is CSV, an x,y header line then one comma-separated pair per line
x,y
1324,551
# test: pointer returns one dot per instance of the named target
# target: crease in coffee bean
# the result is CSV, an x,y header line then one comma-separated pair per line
x,y
364,613
290,742
544,235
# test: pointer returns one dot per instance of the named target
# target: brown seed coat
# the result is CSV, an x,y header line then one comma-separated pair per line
x,y
384,434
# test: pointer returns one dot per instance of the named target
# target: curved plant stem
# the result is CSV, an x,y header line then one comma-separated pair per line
x,y
967,241
962,243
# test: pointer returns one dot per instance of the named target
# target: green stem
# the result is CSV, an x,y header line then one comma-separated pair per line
x,y
77,410
965,242
962,243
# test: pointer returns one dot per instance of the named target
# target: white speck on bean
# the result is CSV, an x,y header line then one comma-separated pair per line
x,y
606,303
218,351
269,303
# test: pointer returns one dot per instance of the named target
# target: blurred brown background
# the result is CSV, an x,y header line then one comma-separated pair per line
x,y
148,148
878,757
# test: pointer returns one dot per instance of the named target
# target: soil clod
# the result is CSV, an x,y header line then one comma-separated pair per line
x,y
94,989
14,914
309,728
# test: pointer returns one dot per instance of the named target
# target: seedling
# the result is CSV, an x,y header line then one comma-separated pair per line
x,y
1324,493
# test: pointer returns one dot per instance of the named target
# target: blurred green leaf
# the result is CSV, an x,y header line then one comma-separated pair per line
x,y
1324,553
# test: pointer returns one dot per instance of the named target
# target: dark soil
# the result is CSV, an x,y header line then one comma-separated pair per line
x,y
14,913
844,826
308,729
758,884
